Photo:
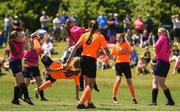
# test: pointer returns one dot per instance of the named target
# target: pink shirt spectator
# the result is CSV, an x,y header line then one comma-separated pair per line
x,y
31,56
139,24
76,33
162,48
18,47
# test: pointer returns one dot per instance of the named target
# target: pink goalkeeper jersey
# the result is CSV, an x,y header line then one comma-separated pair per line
x,y
76,33
31,56
162,47
18,47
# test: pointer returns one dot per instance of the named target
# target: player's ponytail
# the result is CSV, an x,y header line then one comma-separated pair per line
x,y
93,25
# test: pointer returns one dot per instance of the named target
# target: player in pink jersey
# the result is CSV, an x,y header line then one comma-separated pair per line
x,y
17,44
162,54
31,67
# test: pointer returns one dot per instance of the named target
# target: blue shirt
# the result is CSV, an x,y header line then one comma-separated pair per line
x,y
102,21
63,19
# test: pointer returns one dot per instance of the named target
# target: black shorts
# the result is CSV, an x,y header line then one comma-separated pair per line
x,y
30,72
178,70
88,66
15,66
50,78
123,68
46,60
162,68
177,33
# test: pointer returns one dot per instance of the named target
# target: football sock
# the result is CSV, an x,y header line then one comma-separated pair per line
x,y
89,96
115,89
45,85
168,95
16,92
86,95
41,94
131,89
24,90
154,95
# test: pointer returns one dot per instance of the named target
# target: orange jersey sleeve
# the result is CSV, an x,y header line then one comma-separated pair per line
x,y
98,42
37,46
120,56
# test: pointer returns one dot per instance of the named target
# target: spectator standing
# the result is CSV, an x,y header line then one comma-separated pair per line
x,y
117,22
102,24
7,27
127,22
111,32
63,17
176,27
57,28
44,19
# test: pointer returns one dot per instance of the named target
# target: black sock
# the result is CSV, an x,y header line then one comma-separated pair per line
x,y
16,92
41,94
168,95
81,82
20,94
154,95
24,90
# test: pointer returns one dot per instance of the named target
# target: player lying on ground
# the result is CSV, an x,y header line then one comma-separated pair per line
x,y
57,71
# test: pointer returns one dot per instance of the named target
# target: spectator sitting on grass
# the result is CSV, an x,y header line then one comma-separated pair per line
x,y
103,61
141,67
134,58
177,66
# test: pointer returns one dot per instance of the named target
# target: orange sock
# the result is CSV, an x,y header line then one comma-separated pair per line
x,y
115,89
89,100
85,95
131,89
45,85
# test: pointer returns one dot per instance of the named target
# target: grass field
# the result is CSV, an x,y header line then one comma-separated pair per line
x,y
62,94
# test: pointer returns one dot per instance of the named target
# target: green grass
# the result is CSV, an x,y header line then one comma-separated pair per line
x,y
62,94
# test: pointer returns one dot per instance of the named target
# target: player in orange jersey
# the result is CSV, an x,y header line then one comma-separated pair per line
x,y
121,53
57,71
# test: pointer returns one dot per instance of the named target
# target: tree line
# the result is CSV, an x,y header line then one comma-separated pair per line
x,y
29,11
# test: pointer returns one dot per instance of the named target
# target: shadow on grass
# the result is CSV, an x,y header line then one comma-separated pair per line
x,y
104,107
